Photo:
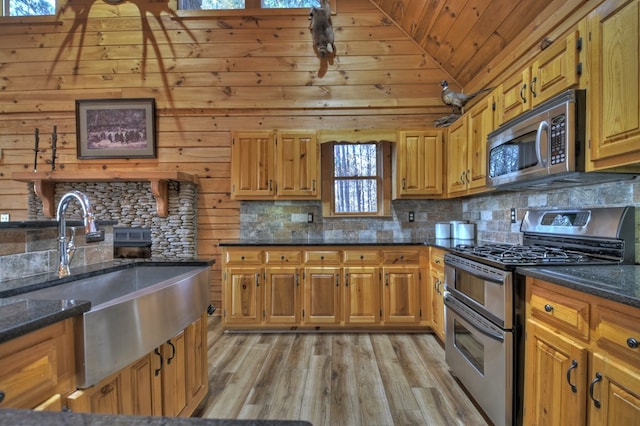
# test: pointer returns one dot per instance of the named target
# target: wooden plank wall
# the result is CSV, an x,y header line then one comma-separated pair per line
x,y
210,75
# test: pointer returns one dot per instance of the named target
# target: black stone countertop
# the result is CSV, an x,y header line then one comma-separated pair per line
x,y
19,316
36,224
10,417
619,283
441,243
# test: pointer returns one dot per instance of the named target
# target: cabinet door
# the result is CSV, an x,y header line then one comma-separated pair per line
x,y
614,90
555,69
614,394
322,287
174,376
282,295
362,295
297,165
146,386
555,378
243,295
401,295
513,96
437,303
418,163
252,165
457,157
196,356
481,123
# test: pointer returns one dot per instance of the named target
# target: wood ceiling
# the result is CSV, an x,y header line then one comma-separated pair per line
x,y
463,36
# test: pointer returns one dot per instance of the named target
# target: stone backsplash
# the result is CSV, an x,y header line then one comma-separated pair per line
x,y
490,211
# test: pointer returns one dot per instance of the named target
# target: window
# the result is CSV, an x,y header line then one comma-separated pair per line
x,y
356,179
28,7
246,4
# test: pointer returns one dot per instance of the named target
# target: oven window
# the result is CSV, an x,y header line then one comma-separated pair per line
x,y
468,345
471,286
517,154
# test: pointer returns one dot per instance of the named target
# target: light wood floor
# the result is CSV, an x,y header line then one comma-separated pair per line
x,y
333,379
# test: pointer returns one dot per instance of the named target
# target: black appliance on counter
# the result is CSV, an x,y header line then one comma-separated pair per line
x,y
131,243
485,300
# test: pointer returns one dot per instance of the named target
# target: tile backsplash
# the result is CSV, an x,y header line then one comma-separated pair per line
x,y
490,211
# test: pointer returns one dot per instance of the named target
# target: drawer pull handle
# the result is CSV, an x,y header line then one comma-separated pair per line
x,y
632,343
598,378
173,352
157,370
573,366
548,308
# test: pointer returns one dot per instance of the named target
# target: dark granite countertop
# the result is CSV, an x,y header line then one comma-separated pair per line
x,y
19,316
9,417
619,283
34,224
303,242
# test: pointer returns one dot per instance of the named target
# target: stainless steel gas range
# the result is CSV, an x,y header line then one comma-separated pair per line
x,y
484,296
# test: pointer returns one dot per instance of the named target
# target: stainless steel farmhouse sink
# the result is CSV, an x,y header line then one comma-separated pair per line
x,y
133,311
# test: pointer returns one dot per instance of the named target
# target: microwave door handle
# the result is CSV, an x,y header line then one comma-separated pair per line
x,y
544,126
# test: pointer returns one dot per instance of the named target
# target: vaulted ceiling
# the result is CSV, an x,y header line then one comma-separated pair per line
x,y
463,36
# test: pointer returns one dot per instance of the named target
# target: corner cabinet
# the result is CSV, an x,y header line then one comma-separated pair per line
x,y
418,164
613,57
581,358
313,287
275,165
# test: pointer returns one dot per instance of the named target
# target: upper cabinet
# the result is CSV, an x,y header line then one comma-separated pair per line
x,y
417,160
274,165
613,55
467,148
555,69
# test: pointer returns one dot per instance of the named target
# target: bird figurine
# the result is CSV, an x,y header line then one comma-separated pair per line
x,y
457,100
322,29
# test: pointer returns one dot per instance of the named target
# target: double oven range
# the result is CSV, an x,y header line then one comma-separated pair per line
x,y
485,297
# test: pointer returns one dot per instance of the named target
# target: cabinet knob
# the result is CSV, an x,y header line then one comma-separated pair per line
x,y
321,257
548,308
361,256
281,257
1,396
241,257
632,343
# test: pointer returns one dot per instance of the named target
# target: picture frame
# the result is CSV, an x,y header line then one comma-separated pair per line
x,y
116,128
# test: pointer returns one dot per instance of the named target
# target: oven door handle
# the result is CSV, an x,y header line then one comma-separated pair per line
x,y
478,323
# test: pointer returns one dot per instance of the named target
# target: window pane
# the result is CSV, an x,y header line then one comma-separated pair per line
x,y
210,4
355,160
356,196
32,7
273,4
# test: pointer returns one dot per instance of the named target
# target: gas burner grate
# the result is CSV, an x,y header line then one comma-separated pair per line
x,y
524,254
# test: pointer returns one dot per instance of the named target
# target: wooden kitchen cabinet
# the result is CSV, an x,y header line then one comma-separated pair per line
x,y
253,165
331,287
555,69
275,165
457,157
38,368
298,165
418,164
613,60
436,288
581,358
113,395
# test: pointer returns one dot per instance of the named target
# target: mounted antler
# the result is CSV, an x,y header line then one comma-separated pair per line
x,y
322,29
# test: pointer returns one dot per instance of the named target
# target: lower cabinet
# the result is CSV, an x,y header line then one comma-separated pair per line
x,y
436,289
581,358
331,287
170,381
37,370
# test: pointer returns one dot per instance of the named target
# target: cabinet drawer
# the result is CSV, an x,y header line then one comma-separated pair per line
x,y
437,259
288,257
320,257
244,257
359,257
564,312
401,257
618,332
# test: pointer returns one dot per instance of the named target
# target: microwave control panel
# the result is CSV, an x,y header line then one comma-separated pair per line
x,y
558,137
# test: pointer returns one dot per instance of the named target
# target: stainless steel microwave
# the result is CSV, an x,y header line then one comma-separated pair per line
x,y
544,147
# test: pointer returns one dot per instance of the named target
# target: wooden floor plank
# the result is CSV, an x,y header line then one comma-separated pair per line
x,y
350,379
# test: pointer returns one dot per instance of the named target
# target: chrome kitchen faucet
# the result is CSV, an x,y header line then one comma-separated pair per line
x,y
66,248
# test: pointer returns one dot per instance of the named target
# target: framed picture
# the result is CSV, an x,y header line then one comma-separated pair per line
x,y
116,128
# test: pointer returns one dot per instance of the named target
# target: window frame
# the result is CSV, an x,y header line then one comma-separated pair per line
x,y
383,158
255,11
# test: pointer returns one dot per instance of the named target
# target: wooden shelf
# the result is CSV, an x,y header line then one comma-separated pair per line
x,y
44,184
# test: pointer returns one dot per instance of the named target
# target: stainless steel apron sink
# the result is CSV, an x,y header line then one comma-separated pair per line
x,y
133,311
